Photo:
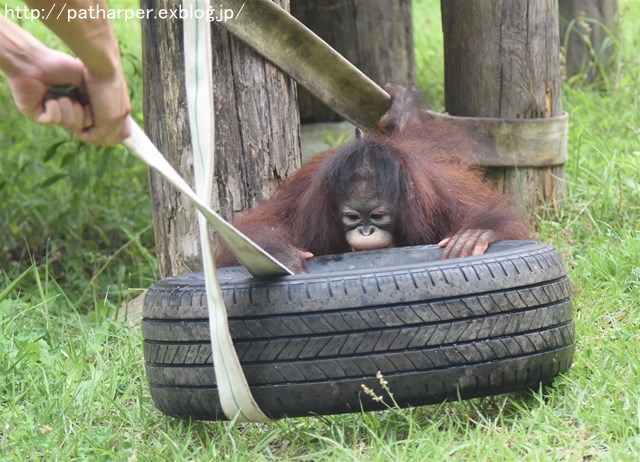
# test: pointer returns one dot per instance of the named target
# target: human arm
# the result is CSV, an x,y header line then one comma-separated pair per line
x,y
32,68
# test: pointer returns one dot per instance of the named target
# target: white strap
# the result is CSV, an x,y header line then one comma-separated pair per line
x,y
255,259
232,385
234,393
235,397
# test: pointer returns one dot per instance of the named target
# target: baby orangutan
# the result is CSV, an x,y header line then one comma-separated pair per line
x,y
410,182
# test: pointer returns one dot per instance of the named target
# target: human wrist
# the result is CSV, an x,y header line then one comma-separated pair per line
x,y
99,52
19,50
91,39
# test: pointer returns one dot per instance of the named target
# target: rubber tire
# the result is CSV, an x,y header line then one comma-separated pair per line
x,y
436,329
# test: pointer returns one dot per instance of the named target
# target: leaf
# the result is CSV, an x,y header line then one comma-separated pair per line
x,y
51,151
52,180
11,287
68,157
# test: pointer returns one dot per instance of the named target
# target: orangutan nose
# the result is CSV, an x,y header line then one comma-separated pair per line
x,y
366,230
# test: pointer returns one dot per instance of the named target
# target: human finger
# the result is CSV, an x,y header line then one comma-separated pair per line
x,y
72,114
88,117
52,113
105,135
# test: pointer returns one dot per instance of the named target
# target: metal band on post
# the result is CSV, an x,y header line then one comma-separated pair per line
x,y
514,143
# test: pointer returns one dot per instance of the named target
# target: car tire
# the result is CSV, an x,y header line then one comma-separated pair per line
x,y
434,329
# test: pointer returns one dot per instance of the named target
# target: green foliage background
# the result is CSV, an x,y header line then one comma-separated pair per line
x,y
77,242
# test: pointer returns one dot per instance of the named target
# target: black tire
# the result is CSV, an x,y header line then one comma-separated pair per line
x,y
436,330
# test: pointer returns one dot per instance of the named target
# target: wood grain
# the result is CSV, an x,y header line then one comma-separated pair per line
x,y
502,59
257,132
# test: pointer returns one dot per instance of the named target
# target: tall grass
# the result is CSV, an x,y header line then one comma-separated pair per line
x,y
80,213
76,239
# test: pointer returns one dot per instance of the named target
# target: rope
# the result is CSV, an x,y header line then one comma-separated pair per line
x,y
254,258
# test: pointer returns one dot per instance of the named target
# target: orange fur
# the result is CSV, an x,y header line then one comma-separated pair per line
x,y
443,192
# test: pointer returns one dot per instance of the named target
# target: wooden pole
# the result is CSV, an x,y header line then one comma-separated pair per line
x,y
586,30
257,132
502,59
291,46
376,36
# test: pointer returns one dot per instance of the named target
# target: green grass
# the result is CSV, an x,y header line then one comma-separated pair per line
x,y
77,242
78,212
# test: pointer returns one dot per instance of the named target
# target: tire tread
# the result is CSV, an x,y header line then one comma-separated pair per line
x,y
435,330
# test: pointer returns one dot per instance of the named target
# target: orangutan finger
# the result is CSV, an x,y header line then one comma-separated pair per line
x,y
454,246
471,239
447,247
483,241
444,242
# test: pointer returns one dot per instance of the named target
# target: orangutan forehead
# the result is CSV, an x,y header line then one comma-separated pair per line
x,y
365,195
367,182
363,188
366,171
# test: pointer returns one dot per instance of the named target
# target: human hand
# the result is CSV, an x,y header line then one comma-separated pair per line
x,y
98,117
109,104
32,81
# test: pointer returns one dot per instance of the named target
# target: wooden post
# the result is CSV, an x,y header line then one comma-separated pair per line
x,y
585,29
257,132
374,35
502,59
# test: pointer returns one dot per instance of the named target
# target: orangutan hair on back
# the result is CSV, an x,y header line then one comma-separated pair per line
x,y
410,182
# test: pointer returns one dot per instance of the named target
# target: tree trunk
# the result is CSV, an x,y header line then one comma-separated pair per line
x,y
375,35
257,132
585,30
502,59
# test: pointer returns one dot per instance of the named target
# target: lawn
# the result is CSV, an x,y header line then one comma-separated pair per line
x,y
77,243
